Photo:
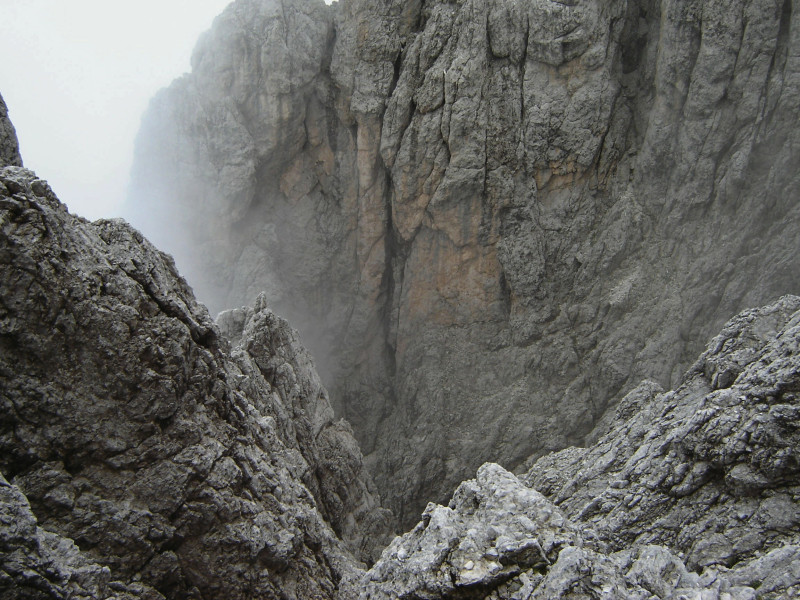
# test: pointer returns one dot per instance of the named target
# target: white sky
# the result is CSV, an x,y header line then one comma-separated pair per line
x,y
77,76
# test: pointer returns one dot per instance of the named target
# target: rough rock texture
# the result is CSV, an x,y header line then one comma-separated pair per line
x,y
491,219
270,356
131,431
694,493
711,469
9,146
38,564
149,457
500,540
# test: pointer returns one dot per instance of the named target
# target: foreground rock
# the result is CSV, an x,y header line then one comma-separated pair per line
x,y
694,493
131,431
39,564
496,217
501,540
270,357
711,469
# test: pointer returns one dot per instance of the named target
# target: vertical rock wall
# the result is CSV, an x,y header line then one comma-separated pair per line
x,y
495,216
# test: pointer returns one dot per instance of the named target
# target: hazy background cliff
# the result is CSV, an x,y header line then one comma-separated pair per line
x,y
488,218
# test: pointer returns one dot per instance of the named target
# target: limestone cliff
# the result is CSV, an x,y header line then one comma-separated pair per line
x,y
692,493
490,219
726,440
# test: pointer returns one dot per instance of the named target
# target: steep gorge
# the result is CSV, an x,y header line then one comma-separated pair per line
x,y
151,453
490,219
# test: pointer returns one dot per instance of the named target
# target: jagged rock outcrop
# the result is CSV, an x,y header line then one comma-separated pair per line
x,y
692,493
174,464
269,354
500,540
490,218
9,146
711,469
153,454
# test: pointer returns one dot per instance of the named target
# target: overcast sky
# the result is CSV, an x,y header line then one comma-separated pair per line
x,y
77,75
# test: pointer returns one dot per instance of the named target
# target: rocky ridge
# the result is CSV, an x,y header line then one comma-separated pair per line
x,y
500,540
711,469
9,145
184,467
491,219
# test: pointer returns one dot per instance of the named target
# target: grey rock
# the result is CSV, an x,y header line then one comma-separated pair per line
x,y
490,219
269,355
691,493
39,564
172,462
774,575
493,529
9,146
500,540
709,471
155,454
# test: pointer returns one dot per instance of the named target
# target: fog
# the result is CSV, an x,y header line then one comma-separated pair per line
x,y
78,75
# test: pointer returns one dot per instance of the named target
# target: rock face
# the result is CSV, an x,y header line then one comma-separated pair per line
x,y
500,540
9,146
39,564
693,493
491,219
178,466
270,357
711,469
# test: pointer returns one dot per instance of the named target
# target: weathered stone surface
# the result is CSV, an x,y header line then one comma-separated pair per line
x,y
154,454
491,219
692,493
9,146
500,540
131,430
493,529
39,564
710,469
269,354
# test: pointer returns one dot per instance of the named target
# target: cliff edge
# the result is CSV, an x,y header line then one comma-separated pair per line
x,y
9,145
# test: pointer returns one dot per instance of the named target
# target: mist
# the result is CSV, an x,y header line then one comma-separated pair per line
x,y
76,78
200,191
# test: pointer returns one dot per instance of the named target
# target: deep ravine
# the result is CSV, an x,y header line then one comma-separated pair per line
x,y
489,219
